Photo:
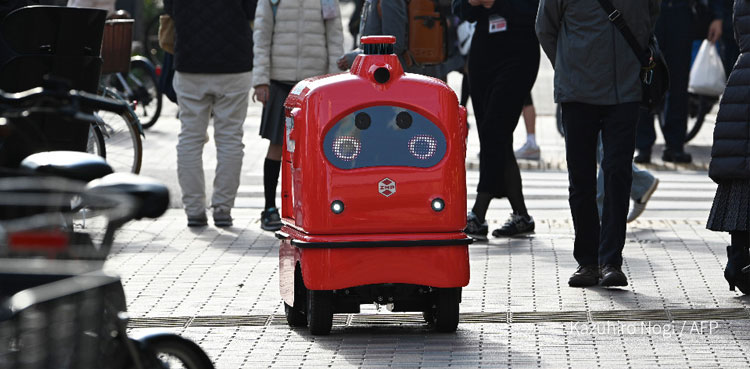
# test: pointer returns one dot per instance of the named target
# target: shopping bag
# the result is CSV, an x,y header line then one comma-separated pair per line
x,y
707,73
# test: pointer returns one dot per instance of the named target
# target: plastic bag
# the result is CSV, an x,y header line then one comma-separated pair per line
x,y
707,75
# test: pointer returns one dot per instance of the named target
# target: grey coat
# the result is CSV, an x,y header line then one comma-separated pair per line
x,y
730,153
593,62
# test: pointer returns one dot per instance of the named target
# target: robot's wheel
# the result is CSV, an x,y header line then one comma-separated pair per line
x,y
445,316
320,312
294,317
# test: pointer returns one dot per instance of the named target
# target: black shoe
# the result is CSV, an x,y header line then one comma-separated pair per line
x,y
612,276
516,225
737,272
222,218
585,276
475,229
643,157
270,220
672,156
197,221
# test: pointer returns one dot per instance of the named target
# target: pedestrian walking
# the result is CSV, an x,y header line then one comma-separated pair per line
x,y
530,149
213,60
503,65
392,18
675,41
597,83
730,159
294,40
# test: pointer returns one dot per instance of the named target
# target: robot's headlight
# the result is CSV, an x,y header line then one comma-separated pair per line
x,y
337,207
346,147
438,204
423,147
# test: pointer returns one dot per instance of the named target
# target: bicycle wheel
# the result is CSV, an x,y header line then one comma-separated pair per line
x,y
698,107
95,143
144,91
123,148
177,352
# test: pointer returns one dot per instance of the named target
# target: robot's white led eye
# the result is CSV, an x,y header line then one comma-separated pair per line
x,y
423,146
346,147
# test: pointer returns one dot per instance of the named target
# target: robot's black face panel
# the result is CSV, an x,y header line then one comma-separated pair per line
x,y
384,136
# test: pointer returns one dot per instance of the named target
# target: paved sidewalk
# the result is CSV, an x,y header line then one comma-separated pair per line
x,y
220,288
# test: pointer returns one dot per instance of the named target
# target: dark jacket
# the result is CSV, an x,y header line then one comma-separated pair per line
x,y
524,11
593,62
212,36
730,154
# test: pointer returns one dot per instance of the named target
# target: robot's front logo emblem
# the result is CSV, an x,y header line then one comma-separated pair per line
x,y
387,187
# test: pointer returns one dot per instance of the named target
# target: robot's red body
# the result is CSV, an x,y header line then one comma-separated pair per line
x,y
373,194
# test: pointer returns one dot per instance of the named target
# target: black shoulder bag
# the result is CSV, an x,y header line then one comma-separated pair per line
x,y
654,72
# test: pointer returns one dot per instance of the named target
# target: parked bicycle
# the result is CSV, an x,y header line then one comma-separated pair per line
x,y
58,309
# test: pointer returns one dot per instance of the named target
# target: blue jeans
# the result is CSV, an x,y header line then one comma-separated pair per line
x,y
642,180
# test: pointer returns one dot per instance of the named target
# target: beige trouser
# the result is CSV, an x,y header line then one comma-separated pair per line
x,y
199,95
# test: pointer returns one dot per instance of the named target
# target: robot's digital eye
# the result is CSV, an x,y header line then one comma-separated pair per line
x,y
423,146
346,148
403,120
362,121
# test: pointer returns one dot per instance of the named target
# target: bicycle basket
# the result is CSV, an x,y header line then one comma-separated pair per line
x,y
57,314
117,45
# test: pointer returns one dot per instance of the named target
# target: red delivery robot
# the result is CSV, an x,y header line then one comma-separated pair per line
x,y
373,194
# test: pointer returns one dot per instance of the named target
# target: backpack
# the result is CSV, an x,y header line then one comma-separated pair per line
x,y
427,31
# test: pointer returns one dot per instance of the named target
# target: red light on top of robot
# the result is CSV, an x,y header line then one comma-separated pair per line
x,y
379,39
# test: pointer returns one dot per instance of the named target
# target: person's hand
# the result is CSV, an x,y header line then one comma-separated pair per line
x,y
261,93
343,63
714,30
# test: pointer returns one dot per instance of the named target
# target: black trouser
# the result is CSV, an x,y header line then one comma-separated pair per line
x,y
599,243
673,34
499,85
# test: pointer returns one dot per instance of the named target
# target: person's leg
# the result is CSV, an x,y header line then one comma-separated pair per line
x,y
642,182
195,108
582,123
599,176
230,111
675,31
271,170
618,140
737,259
645,137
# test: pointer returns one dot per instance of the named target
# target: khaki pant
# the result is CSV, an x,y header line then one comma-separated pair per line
x,y
199,95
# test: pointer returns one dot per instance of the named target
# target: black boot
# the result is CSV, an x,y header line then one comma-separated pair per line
x,y
737,272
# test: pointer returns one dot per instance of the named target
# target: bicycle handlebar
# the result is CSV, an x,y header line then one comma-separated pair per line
x,y
45,99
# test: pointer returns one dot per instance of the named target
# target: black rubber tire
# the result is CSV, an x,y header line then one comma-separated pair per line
x,y
122,133
319,312
295,315
142,80
96,143
178,350
447,311
429,316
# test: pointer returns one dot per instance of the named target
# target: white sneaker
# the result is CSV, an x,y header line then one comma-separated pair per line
x,y
640,205
528,152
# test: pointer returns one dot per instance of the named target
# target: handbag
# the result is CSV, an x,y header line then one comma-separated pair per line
x,y
166,33
654,72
